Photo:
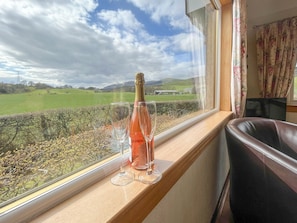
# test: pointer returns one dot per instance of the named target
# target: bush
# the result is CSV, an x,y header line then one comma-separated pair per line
x,y
25,129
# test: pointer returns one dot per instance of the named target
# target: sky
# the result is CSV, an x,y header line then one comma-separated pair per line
x,y
88,43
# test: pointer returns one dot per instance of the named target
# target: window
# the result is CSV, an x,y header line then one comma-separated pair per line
x,y
63,63
293,92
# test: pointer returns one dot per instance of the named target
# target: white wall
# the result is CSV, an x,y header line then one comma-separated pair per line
x,y
194,197
291,117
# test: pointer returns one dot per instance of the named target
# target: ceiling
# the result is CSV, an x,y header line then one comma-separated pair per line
x,y
265,11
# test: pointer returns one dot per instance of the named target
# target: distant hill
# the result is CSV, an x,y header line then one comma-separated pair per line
x,y
167,81
116,86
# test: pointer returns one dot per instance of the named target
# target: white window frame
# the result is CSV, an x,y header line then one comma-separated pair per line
x,y
291,100
51,196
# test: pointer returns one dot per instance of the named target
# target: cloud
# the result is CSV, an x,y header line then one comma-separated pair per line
x,y
171,11
80,44
120,18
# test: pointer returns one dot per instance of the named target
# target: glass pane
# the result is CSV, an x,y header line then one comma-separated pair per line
x,y
62,64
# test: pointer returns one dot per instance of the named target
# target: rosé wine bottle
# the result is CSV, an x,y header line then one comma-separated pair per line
x,y
138,158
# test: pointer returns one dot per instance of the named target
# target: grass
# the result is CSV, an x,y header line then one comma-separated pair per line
x,y
41,100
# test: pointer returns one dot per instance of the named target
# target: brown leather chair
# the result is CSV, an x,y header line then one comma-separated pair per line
x,y
263,170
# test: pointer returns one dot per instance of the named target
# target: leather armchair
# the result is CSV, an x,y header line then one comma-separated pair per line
x,y
263,170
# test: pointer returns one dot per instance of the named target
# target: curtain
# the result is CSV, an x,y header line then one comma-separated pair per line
x,y
239,58
204,51
276,57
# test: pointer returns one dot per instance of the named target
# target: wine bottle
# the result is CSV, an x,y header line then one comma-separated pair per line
x,y
138,158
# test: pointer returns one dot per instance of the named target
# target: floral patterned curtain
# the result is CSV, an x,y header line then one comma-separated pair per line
x,y
276,57
239,58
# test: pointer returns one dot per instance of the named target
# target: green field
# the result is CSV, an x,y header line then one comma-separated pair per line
x,y
41,100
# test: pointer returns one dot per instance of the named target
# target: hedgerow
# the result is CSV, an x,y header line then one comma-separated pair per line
x,y
37,148
25,129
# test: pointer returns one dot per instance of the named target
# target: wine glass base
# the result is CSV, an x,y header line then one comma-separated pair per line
x,y
150,178
122,179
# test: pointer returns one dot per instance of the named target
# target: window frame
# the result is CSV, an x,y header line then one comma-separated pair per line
x,y
40,201
291,100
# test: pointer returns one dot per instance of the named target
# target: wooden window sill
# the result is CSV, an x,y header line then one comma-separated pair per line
x,y
291,108
104,202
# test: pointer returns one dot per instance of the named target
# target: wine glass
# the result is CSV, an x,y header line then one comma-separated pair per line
x,y
120,118
147,113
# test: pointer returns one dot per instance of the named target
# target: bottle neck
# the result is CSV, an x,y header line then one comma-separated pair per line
x,y
139,92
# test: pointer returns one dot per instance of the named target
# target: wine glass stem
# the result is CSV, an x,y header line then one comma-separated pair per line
x,y
122,171
148,155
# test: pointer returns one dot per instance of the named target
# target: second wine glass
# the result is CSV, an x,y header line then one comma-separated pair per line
x,y
147,113
120,117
